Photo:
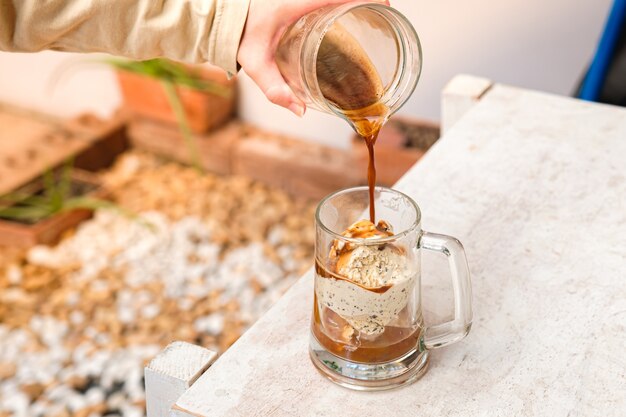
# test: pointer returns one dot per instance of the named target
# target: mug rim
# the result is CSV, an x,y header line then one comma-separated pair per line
x,y
412,228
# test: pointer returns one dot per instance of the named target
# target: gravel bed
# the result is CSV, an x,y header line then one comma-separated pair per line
x,y
204,259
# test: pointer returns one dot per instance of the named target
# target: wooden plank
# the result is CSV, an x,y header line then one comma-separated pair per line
x,y
535,187
301,168
459,96
108,140
215,148
31,142
171,373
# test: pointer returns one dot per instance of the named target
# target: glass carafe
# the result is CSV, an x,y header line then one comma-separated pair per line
x,y
330,58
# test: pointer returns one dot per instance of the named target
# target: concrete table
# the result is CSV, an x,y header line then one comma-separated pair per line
x,y
535,187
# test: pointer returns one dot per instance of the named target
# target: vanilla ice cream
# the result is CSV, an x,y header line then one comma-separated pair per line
x,y
373,283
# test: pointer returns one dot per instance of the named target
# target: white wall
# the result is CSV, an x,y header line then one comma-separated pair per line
x,y
58,83
536,44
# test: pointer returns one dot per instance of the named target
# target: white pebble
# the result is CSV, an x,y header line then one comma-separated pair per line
x,y
132,411
14,274
17,403
72,298
150,311
211,324
180,256
185,304
38,409
116,400
126,314
94,396
77,317
76,402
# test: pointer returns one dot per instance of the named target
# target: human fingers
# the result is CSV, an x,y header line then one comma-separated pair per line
x,y
269,79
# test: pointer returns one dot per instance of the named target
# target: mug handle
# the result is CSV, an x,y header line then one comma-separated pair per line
x,y
452,331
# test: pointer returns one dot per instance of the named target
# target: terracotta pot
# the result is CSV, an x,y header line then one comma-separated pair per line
x,y
401,143
145,97
48,231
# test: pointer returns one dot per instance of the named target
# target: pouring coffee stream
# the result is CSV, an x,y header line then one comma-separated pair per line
x,y
367,122
348,78
361,62
357,61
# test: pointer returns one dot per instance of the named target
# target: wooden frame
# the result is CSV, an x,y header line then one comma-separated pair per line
x,y
49,230
171,373
33,142
459,96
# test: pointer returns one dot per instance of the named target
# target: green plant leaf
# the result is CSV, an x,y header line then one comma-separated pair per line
x,y
56,199
91,203
12,198
185,130
177,74
29,213
65,183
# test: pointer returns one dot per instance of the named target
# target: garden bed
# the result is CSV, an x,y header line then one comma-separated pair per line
x,y
26,232
208,257
33,142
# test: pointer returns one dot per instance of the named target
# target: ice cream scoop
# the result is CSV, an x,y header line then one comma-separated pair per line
x,y
341,250
370,283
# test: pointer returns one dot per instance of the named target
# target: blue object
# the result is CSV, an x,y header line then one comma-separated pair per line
x,y
606,48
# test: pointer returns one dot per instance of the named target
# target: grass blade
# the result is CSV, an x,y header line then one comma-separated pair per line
x,y
91,203
181,117
30,213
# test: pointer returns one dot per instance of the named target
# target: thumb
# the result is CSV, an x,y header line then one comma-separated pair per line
x,y
273,85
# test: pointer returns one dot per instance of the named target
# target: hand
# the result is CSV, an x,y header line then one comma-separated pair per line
x,y
267,21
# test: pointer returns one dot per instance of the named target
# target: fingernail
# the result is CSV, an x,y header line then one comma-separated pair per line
x,y
297,109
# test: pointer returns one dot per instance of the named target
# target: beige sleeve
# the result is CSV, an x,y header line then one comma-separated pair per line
x,y
192,31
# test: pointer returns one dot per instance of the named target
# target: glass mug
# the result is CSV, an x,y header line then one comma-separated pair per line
x,y
374,337
381,35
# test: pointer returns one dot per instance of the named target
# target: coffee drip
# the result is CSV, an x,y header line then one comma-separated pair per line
x,y
348,79
367,122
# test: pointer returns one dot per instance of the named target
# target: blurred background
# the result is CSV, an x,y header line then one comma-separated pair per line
x,y
533,44
137,211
